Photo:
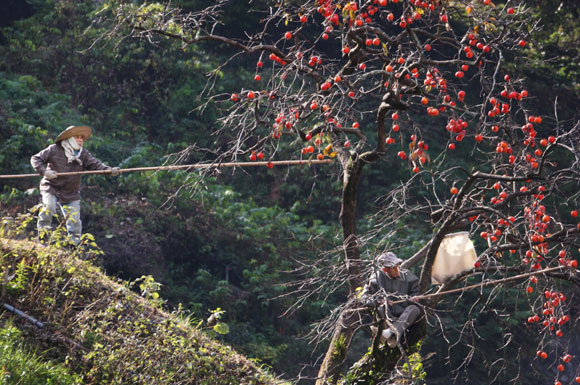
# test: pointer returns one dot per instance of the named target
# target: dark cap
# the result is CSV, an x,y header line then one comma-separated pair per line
x,y
388,259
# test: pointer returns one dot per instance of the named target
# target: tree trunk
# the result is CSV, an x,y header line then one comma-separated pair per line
x,y
350,181
330,369
337,351
376,366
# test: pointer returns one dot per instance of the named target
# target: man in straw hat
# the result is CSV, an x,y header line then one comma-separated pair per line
x,y
389,283
66,155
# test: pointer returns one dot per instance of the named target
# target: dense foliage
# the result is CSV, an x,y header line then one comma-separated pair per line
x,y
226,241
136,219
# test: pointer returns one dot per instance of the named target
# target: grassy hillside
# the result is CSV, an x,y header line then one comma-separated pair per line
x,y
98,331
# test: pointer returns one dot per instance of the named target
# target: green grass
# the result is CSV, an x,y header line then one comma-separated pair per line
x,y
23,366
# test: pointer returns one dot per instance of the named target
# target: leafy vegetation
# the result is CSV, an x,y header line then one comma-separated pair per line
x,y
21,365
104,333
224,243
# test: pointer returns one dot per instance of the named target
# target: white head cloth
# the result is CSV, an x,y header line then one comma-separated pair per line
x,y
72,150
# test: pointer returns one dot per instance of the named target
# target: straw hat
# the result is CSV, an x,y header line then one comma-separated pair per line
x,y
71,131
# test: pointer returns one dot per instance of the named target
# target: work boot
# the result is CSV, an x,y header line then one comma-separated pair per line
x,y
392,340
390,337
384,336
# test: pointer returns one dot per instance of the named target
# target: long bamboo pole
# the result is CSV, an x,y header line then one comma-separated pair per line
x,y
186,167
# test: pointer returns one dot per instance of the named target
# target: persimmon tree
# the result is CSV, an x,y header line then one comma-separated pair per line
x,y
411,83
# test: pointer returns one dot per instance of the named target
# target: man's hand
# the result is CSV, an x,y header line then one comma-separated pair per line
x,y
372,301
50,174
115,171
414,299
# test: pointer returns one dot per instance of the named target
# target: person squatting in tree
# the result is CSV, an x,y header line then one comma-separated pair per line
x,y
388,285
66,155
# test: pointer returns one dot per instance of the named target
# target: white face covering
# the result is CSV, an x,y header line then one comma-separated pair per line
x,y
72,150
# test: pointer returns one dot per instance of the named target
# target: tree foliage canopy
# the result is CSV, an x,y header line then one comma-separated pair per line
x,y
436,112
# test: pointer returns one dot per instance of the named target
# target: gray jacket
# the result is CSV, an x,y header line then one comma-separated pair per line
x,y
407,284
66,188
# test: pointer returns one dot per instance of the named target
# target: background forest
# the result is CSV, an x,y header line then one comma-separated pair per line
x,y
232,240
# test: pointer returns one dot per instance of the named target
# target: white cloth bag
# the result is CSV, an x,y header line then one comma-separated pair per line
x,y
455,254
